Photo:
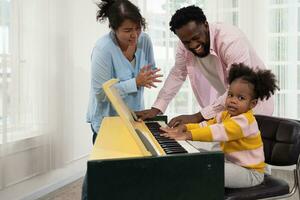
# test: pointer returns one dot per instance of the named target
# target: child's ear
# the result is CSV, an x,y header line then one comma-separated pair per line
x,y
253,103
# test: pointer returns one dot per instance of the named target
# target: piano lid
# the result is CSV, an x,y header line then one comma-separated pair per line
x,y
114,141
127,126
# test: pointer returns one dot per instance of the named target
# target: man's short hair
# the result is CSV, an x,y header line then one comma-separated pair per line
x,y
185,15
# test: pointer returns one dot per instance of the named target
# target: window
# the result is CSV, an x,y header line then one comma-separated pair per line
x,y
5,69
158,14
23,40
283,54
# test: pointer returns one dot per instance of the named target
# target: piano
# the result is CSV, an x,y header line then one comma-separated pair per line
x,y
130,160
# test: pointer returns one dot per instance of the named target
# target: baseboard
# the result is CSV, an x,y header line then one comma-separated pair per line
x,y
44,184
53,186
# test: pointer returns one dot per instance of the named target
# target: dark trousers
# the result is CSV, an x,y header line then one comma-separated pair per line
x,y
84,184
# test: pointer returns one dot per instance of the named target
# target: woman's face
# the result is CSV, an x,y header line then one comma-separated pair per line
x,y
128,33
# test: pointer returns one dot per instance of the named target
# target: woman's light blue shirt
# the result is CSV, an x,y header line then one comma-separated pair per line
x,y
109,62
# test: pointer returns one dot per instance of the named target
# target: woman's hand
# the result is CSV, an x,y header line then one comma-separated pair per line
x,y
147,77
130,51
178,133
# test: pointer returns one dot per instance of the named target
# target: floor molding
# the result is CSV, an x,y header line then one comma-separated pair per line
x,y
53,186
44,184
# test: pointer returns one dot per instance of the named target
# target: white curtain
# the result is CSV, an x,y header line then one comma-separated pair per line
x,y
45,49
24,88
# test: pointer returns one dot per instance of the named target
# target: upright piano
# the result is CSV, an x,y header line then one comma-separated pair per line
x,y
131,161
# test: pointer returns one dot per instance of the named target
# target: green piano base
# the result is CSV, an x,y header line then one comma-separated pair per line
x,y
182,176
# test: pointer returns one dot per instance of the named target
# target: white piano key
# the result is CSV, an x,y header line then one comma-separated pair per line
x,y
187,146
162,124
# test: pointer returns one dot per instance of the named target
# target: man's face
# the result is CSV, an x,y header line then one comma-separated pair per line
x,y
195,38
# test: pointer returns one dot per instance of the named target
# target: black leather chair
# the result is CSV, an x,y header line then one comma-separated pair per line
x,y
281,138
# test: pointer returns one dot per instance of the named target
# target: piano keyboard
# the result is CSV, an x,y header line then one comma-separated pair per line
x,y
170,146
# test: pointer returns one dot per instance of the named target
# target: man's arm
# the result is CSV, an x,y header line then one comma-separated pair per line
x,y
173,83
217,106
206,113
186,119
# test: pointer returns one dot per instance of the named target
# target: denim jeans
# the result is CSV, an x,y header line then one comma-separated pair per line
x,y
84,184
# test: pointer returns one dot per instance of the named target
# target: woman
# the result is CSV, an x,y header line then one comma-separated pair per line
x,y
126,53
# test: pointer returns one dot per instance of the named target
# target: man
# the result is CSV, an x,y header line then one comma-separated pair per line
x,y
205,53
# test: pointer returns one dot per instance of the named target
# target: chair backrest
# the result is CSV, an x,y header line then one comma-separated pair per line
x,y
281,138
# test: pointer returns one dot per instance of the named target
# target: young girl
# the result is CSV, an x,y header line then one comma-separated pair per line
x,y
236,128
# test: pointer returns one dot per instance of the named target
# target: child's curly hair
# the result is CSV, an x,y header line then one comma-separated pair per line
x,y
264,81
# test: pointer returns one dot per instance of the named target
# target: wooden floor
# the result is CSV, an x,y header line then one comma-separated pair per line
x,y
73,190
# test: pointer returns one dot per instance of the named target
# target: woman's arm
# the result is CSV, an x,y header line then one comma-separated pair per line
x,y
101,71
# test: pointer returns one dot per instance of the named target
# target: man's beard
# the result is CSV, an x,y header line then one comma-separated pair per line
x,y
206,50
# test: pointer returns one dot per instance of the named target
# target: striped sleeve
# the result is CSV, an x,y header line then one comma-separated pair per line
x,y
233,128
192,126
200,125
202,134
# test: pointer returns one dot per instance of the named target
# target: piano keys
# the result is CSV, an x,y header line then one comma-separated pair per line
x,y
170,146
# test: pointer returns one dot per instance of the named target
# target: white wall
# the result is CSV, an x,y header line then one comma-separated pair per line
x,y
72,31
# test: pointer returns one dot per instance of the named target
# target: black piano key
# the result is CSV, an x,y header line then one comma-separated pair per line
x,y
173,148
164,139
170,146
156,134
179,148
166,142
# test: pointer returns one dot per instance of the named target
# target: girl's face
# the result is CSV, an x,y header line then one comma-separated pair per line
x,y
128,33
240,98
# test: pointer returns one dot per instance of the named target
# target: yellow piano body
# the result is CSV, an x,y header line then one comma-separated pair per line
x,y
123,165
115,141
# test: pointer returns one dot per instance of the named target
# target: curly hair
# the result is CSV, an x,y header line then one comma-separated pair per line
x,y
185,15
117,11
264,81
